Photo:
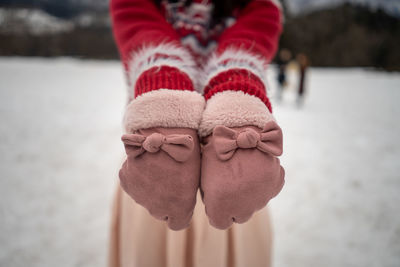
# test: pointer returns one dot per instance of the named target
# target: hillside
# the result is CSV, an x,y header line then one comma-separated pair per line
x,y
33,32
342,36
345,36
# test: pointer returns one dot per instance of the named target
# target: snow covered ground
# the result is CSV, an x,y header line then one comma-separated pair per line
x,y
60,153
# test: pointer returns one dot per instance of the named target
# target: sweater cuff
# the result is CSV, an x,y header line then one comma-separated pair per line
x,y
164,77
237,80
160,63
236,58
237,69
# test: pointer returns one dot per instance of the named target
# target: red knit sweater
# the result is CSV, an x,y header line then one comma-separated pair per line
x,y
168,46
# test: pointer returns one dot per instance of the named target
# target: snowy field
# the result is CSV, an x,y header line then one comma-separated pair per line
x,y
60,152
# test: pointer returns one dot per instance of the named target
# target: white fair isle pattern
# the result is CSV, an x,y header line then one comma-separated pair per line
x,y
196,13
234,58
201,53
192,42
146,58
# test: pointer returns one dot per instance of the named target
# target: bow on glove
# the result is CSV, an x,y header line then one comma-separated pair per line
x,y
178,146
227,141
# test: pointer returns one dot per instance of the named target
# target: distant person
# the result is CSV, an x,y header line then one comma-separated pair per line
x,y
302,60
200,168
284,58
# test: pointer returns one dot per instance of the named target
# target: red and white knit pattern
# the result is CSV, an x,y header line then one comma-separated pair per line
x,y
165,49
237,70
192,23
235,86
165,65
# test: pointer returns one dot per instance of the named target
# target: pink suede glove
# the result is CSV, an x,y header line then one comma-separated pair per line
x,y
240,172
162,172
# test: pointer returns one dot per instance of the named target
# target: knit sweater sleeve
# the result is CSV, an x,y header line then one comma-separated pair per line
x,y
150,48
244,50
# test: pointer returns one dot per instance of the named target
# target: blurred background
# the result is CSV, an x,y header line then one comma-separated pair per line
x,y
62,95
333,33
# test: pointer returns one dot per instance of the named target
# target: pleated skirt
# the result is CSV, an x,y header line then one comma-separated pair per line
x,y
139,240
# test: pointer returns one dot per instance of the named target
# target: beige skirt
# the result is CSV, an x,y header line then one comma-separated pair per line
x,y
139,240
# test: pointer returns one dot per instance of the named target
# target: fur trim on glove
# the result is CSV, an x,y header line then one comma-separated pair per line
x,y
233,109
164,108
